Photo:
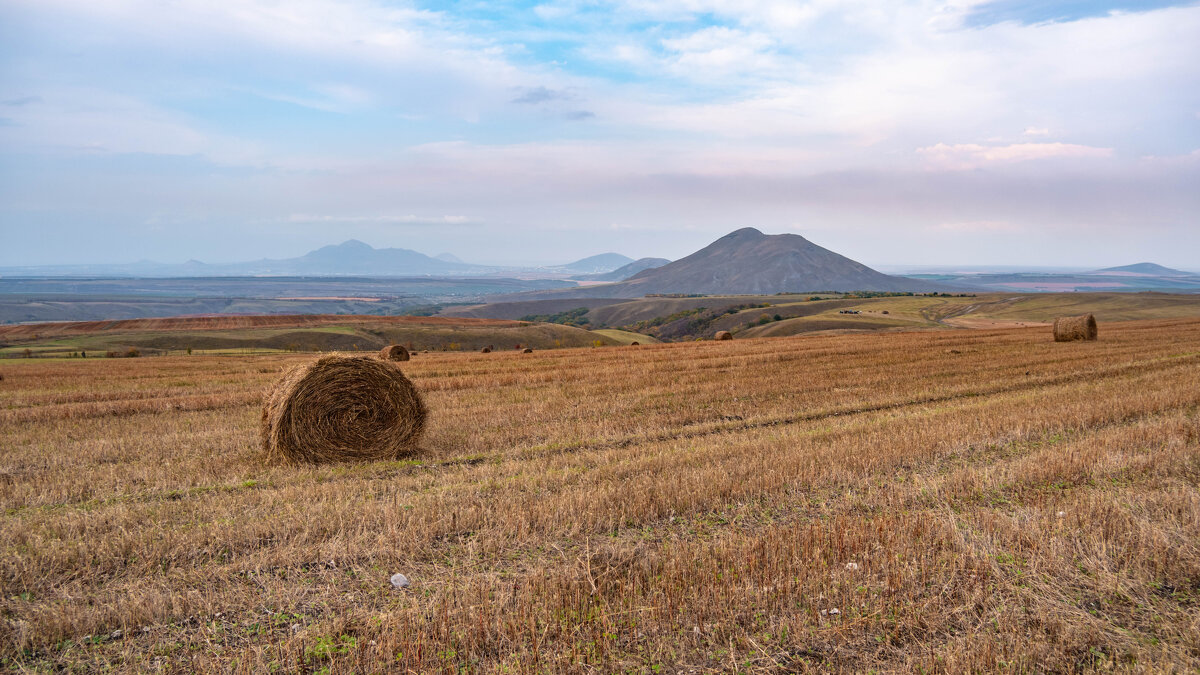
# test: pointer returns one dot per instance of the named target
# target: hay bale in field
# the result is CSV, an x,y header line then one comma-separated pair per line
x,y
394,353
723,335
486,350
634,343
1072,328
342,408
527,350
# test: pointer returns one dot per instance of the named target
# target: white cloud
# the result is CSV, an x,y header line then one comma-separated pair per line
x,y
376,219
973,155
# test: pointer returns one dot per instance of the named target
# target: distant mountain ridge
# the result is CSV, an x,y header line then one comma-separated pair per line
x,y
354,257
349,258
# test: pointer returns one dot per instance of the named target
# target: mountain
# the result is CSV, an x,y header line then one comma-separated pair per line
x,y
598,264
749,262
1144,269
623,273
448,257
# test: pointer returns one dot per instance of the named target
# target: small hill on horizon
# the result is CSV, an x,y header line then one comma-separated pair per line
x,y
1144,269
627,271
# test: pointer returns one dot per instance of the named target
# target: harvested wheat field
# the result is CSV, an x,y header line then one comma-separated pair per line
x,y
942,501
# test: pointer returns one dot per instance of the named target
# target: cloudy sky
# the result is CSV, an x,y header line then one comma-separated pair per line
x,y
947,132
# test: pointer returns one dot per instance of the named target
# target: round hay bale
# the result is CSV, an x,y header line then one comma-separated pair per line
x,y
394,353
486,350
723,335
634,343
342,408
1072,328
527,350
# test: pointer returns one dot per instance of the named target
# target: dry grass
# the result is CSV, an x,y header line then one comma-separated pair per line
x,y
966,501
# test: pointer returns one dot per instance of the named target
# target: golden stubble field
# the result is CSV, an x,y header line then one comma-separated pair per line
x,y
944,501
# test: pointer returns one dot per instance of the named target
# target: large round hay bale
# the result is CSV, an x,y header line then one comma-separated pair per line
x,y
527,350
486,350
394,353
342,408
635,343
1072,328
723,335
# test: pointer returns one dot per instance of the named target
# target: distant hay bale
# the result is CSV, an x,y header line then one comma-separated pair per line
x,y
527,350
486,350
342,408
634,343
1072,328
394,353
723,335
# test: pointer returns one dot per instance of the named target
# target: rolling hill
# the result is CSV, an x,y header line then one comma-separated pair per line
x,y
300,333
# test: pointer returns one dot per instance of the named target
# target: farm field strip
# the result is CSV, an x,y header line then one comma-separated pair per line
x,y
685,505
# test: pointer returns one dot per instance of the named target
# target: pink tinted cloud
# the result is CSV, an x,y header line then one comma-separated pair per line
x,y
974,155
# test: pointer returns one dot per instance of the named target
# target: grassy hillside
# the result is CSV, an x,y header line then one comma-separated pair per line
x,y
625,337
305,334
679,319
940,502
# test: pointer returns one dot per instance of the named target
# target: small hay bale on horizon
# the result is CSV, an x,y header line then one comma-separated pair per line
x,y
527,350
635,343
1075,328
394,353
486,350
342,408
723,335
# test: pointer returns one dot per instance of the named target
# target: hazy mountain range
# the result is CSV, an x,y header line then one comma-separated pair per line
x,y
745,261
349,258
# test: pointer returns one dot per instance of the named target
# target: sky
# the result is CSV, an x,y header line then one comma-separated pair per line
x,y
908,132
